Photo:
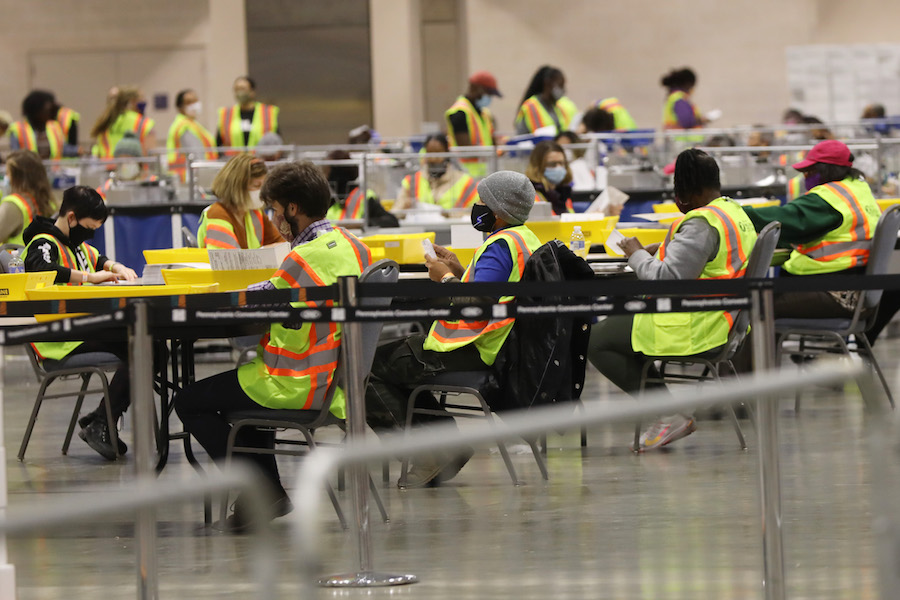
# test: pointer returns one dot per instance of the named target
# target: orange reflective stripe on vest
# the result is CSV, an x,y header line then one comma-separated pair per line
x,y
860,234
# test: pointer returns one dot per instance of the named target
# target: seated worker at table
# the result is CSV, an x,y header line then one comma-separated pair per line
x,y
348,198
505,202
295,362
438,182
236,219
61,245
829,228
549,172
30,195
712,241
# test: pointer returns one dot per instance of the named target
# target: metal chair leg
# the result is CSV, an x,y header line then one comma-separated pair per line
x,y
489,416
34,414
377,497
539,459
870,355
85,380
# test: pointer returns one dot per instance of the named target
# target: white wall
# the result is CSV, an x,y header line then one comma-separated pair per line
x,y
83,47
736,47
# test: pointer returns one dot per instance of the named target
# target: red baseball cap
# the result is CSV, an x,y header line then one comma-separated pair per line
x,y
487,81
832,152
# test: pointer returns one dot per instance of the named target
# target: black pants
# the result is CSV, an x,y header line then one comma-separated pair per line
x,y
119,385
402,365
610,351
201,407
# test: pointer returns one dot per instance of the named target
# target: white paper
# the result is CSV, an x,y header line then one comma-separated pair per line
x,y
714,115
269,257
656,217
428,249
611,196
152,274
613,242
464,236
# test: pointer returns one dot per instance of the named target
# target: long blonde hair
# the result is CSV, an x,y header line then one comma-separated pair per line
x,y
115,107
27,175
231,183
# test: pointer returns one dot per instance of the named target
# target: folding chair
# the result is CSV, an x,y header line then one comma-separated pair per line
x,y
84,366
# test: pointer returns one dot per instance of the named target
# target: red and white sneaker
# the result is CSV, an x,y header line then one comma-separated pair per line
x,y
663,433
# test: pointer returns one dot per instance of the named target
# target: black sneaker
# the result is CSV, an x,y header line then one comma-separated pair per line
x,y
90,418
241,520
96,434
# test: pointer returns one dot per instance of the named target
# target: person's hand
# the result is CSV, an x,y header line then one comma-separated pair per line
x,y
613,210
652,248
123,272
101,276
630,246
436,268
450,260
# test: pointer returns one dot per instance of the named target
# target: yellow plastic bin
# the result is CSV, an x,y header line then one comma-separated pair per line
x,y
886,203
645,235
465,255
14,286
595,230
405,248
176,255
228,281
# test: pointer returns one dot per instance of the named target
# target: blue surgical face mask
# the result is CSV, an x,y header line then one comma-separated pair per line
x,y
555,174
484,101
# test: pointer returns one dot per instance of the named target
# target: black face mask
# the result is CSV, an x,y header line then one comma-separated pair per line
x,y
482,218
437,170
80,234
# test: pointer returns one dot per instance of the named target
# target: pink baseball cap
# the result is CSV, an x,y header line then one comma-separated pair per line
x,y
832,152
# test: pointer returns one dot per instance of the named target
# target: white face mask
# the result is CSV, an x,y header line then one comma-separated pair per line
x,y
193,109
128,171
255,202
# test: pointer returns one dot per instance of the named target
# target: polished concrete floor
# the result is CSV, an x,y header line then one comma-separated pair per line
x,y
683,523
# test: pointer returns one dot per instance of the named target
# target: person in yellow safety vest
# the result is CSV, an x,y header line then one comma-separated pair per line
x,y
60,245
296,361
38,131
679,111
712,241
122,114
470,122
545,103
187,135
622,118
244,124
68,119
829,229
505,202
438,182
549,172
30,196
350,202
236,219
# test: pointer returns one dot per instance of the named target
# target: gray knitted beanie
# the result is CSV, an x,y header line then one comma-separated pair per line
x,y
509,195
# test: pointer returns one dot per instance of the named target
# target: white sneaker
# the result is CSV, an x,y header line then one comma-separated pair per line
x,y
663,433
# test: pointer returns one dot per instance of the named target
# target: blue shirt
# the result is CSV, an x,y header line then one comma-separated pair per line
x,y
495,263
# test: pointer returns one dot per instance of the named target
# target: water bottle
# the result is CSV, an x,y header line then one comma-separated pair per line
x,y
16,264
576,243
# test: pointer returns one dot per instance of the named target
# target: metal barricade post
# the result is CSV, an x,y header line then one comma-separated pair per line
x,y
140,357
762,331
351,347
